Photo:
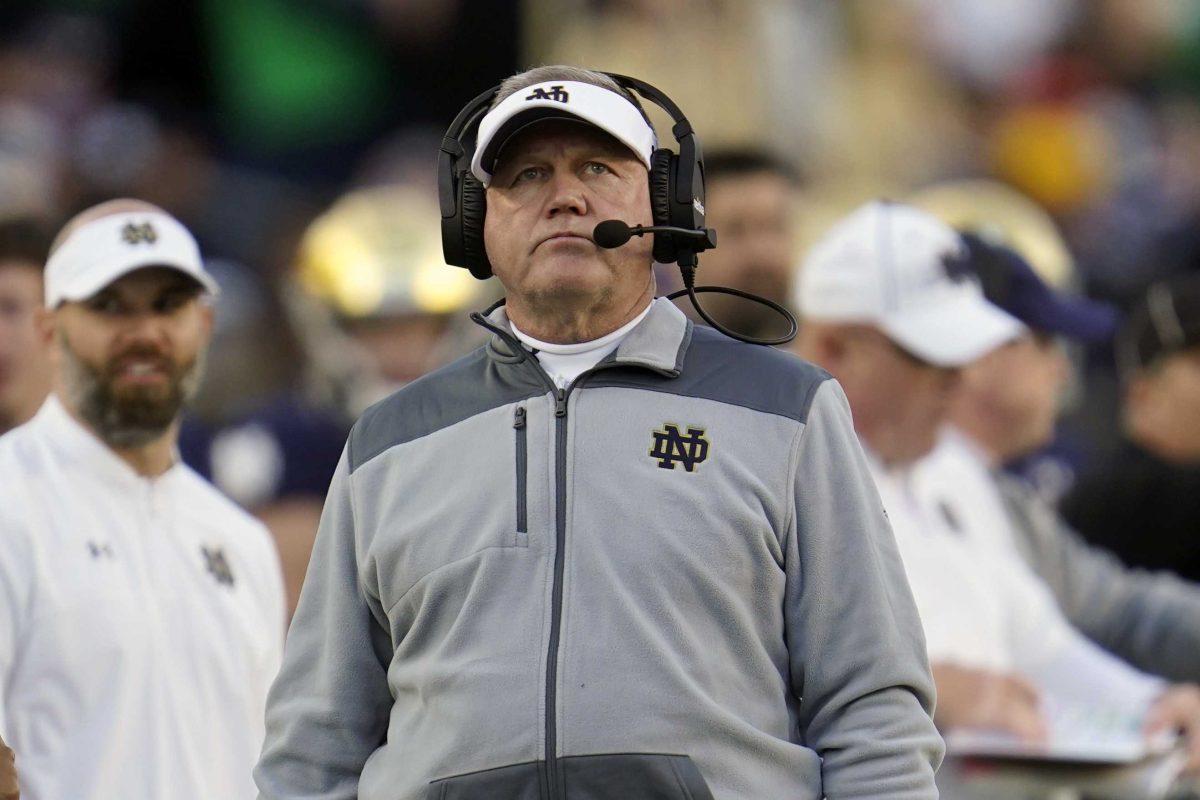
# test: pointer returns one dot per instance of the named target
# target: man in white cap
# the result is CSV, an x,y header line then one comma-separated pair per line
x,y
141,618
892,308
608,555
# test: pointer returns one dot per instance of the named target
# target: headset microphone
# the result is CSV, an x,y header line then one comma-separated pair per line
x,y
613,233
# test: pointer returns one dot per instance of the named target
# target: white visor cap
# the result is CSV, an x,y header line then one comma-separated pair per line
x,y
98,253
572,100
904,271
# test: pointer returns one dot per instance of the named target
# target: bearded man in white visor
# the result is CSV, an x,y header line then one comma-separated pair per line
x,y
609,555
141,613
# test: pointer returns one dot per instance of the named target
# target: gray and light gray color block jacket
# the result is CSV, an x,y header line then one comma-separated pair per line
x,y
673,579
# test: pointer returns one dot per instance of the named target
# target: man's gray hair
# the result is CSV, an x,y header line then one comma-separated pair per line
x,y
564,72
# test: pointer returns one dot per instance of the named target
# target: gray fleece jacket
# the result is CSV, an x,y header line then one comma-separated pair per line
x,y
673,579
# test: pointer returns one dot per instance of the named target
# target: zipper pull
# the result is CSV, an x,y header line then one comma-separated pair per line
x,y
560,403
519,418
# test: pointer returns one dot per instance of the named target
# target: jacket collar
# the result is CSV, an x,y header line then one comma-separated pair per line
x,y
659,342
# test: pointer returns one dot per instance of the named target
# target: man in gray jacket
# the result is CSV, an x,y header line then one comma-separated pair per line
x,y
609,554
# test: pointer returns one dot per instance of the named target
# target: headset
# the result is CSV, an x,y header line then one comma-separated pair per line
x,y
676,202
676,186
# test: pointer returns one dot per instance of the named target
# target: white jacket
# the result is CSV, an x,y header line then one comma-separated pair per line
x,y
141,623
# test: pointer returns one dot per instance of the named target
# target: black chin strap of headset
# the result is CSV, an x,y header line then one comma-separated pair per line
x,y
688,273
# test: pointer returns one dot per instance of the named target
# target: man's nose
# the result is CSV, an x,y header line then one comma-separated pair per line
x,y
567,195
144,328
949,378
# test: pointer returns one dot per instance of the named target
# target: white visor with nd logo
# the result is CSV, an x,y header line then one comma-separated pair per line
x,y
98,253
570,100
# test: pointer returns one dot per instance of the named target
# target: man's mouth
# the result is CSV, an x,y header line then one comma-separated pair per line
x,y
142,371
565,236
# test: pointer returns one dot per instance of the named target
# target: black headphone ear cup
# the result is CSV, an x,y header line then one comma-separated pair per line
x,y
661,167
473,205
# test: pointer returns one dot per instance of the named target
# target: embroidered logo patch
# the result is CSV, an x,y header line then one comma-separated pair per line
x,y
137,234
672,447
99,549
557,93
217,565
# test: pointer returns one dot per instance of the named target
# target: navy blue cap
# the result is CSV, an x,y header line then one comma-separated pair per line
x,y
1012,284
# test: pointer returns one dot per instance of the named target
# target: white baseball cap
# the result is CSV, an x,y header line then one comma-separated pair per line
x,y
905,272
572,100
100,251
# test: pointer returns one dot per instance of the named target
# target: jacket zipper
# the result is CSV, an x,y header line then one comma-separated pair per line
x,y
560,536
522,469
560,553
560,542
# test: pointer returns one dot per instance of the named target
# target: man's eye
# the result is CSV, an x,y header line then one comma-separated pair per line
x,y
104,305
170,302
528,174
596,168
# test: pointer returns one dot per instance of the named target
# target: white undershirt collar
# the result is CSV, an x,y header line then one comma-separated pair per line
x,y
565,362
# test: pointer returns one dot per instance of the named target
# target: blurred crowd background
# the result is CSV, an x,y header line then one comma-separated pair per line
x,y
298,140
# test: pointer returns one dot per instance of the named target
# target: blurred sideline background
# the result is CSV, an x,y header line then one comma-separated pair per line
x,y
298,140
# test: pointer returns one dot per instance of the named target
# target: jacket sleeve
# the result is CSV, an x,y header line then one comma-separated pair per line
x,y
328,708
856,646
1151,620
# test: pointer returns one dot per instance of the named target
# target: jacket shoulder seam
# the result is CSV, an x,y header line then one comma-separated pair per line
x,y
666,389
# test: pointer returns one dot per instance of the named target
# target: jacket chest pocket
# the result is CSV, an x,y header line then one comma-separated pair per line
x,y
521,459
460,494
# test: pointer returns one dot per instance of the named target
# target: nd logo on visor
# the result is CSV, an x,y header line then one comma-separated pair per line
x,y
555,93
672,447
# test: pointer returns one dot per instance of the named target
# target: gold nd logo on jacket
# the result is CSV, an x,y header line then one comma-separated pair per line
x,y
672,447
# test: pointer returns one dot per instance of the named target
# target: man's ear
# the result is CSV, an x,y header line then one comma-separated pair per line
x,y
1138,393
829,342
208,316
44,321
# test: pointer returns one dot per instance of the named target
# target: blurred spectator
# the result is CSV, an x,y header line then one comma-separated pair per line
x,y
1010,398
301,88
700,52
751,198
999,214
891,310
1005,406
1143,503
25,372
1084,403
373,262
372,306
